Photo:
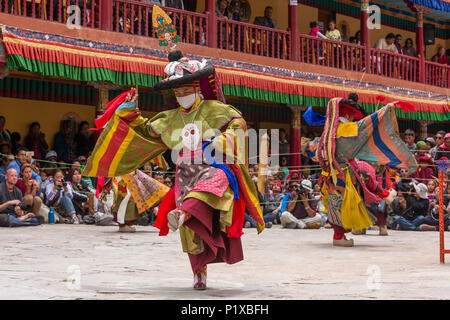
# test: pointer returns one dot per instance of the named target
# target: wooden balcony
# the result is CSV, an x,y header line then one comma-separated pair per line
x,y
203,29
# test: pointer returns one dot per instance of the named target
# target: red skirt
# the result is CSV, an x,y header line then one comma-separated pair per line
x,y
204,221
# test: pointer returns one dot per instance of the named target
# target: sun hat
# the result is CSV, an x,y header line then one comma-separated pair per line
x,y
422,190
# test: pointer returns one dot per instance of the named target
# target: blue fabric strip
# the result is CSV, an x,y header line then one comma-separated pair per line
x,y
230,175
380,144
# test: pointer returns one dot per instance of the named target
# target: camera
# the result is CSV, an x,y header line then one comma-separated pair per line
x,y
299,189
25,207
64,183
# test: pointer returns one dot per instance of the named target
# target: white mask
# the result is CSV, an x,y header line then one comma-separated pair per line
x,y
187,101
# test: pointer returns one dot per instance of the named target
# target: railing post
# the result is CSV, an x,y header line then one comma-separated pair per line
x,y
296,137
293,28
420,46
211,23
106,14
365,36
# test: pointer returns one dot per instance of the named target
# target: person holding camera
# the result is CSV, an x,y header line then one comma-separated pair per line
x,y
13,211
59,194
412,208
299,211
83,196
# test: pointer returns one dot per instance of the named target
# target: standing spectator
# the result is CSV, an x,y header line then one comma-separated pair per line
x,y
266,20
35,141
22,159
51,165
444,149
284,146
421,149
358,37
30,189
221,9
333,33
299,211
168,181
408,49
5,161
5,148
15,138
439,139
177,4
83,140
12,205
398,45
431,143
5,135
410,137
158,175
64,142
59,194
315,32
387,43
440,56
415,208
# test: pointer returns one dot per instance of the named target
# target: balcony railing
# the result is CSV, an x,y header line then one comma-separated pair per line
x,y
437,74
394,65
253,39
329,53
84,13
135,17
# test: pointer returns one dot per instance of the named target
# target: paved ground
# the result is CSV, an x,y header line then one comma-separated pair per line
x,y
89,262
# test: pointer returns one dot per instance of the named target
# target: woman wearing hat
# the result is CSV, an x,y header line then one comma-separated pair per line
x,y
350,134
209,199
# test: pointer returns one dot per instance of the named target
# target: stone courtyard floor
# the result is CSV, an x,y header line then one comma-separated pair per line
x,y
91,262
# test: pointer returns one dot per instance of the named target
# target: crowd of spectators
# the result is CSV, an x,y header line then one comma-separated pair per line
x,y
34,179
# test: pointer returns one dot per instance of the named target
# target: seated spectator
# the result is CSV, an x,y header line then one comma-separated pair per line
x,y
273,201
408,49
30,189
83,195
410,137
35,141
299,210
5,135
266,20
431,222
413,208
425,172
168,181
249,222
83,140
387,43
15,138
64,142
398,45
405,182
104,215
158,175
440,56
22,158
11,203
59,195
444,149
